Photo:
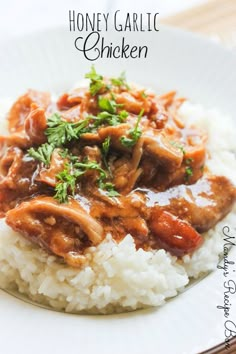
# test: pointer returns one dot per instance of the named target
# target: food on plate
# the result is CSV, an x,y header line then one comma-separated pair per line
x,y
109,196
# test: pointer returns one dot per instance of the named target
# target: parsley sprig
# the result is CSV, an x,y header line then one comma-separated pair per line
x,y
178,146
109,118
143,94
187,161
42,154
188,168
109,188
188,173
66,184
60,132
96,81
120,81
108,105
67,179
134,133
105,150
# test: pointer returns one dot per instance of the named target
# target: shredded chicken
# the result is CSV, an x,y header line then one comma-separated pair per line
x,y
21,108
107,159
69,228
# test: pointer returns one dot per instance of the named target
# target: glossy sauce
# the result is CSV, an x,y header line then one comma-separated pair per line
x,y
166,197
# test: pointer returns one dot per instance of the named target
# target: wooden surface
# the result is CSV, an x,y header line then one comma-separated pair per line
x,y
215,18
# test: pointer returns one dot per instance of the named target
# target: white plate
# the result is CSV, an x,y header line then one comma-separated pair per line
x,y
189,323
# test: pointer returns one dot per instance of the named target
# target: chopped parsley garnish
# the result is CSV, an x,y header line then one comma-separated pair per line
x,y
143,94
64,153
188,172
60,132
106,146
120,81
108,105
73,171
105,151
66,184
42,154
188,169
134,133
189,161
109,118
109,187
178,146
96,81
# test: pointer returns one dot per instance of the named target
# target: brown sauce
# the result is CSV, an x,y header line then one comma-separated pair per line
x,y
155,185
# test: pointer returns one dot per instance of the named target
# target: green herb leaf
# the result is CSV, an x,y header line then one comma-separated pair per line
x,y
91,165
93,75
61,192
189,161
110,188
42,154
60,132
107,105
113,193
66,184
68,177
95,87
178,145
82,167
143,94
134,133
105,150
127,142
120,81
73,171
106,146
96,81
64,153
188,172
109,118
123,115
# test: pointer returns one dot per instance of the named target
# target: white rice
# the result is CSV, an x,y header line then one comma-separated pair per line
x,y
117,277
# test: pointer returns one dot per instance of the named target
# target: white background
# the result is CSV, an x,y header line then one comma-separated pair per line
x,y
18,17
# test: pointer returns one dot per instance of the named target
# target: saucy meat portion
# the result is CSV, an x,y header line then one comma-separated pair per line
x,y
108,158
64,229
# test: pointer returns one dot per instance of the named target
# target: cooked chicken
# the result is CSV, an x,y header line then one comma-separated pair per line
x,y
21,108
63,229
114,159
202,204
155,219
48,175
35,125
17,174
